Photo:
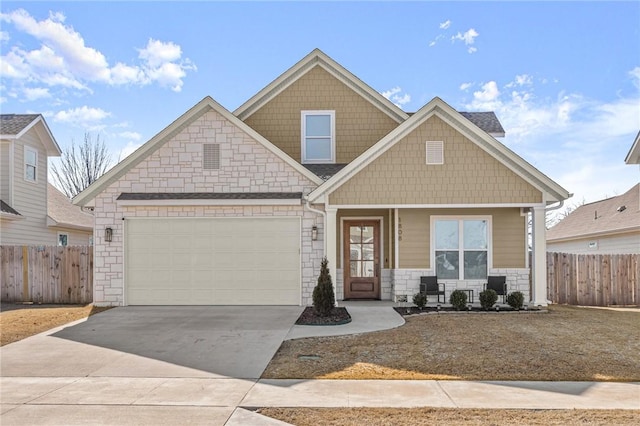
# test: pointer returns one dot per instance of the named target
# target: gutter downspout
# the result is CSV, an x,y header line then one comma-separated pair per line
x,y
308,207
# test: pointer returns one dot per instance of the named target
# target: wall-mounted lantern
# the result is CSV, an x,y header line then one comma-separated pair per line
x,y
314,233
108,234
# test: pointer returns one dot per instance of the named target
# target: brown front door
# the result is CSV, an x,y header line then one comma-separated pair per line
x,y
361,262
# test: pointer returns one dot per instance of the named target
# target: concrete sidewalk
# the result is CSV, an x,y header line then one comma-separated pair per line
x,y
214,401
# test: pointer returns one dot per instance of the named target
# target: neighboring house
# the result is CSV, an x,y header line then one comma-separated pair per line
x,y
32,211
610,226
239,208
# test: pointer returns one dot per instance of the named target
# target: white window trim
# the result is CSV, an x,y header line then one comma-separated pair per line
x,y
35,151
461,244
303,138
58,241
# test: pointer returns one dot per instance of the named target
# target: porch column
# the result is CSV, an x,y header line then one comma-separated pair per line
x,y
330,234
539,258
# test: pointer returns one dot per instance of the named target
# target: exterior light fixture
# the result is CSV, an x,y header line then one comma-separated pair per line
x,y
108,234
314,233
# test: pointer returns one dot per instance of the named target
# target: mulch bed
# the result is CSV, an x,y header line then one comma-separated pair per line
x,y
338,316
414,310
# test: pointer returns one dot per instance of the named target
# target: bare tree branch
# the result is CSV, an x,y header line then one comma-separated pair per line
x,y
81,165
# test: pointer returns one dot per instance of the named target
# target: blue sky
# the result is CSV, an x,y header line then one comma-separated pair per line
x,y
564,78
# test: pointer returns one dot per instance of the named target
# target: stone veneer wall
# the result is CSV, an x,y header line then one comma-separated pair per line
x,y
406,283
246,166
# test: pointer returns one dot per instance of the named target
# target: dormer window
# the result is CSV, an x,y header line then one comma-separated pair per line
x,y
318,137
30,164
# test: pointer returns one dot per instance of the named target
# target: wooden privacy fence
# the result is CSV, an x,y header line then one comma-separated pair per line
x,y
593,279
46,274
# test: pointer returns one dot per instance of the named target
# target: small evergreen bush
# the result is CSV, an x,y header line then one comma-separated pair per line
x,y
516,299
458,300
420,300
488,298
324,299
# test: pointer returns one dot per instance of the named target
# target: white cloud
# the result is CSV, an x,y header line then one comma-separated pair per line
x,y
130,135
65,60
84,117
472,49
635,76
128,150
4,36
446,24
31,94
465,86
573,139
394,95
468,37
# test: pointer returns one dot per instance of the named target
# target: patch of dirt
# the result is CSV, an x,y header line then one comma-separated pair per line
x,y
565,343
338,316
20,321
447,416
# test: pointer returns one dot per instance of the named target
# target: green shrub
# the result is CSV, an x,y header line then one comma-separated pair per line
x,y
458,299
488,298
420,300
324,299
516,299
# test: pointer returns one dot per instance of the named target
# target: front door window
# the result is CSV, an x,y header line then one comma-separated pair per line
x,y
361,244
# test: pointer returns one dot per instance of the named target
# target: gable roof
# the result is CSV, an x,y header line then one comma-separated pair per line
x,y
314,59
481,138
61,212
205,105
609,216
633,157
14,126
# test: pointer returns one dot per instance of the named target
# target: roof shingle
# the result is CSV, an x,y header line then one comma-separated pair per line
x,y
12,124
6,208
210,196
614,214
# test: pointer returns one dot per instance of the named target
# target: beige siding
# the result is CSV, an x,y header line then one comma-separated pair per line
x,y
628,243
76,237
29,199
508,235
384,232
468,176
4,171
359,124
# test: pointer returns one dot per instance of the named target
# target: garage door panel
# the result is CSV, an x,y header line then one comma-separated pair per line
x,y
239,261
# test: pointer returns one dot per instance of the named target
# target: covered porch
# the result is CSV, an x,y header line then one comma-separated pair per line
x,y
381,253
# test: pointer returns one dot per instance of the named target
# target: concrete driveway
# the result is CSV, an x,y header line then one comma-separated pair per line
x,y
142,365
177,341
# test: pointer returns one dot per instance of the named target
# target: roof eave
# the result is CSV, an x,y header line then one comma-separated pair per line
x,y
633,157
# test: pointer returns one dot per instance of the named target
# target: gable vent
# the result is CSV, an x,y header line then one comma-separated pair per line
x,y
435,152
211,156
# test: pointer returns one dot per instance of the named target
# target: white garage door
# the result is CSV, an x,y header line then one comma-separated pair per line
x,y
212,261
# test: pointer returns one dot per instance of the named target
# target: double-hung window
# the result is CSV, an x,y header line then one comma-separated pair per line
x,y
30,164
461,248
318,137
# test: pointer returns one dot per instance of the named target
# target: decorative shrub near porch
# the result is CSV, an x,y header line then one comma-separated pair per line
x,y
458,300
488,298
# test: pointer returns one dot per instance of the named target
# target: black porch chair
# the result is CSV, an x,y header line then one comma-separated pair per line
x,y
431,287
497,283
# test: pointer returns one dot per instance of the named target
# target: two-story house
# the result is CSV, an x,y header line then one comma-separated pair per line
x,y
240,207
33,212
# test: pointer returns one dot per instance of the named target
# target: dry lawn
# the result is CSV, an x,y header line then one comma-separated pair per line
x,y
447,416
566,343
20,321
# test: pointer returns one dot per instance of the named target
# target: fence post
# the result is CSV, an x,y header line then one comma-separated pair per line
x,y
25,274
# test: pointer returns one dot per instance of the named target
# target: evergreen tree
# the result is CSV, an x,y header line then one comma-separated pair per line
x,y
323,296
